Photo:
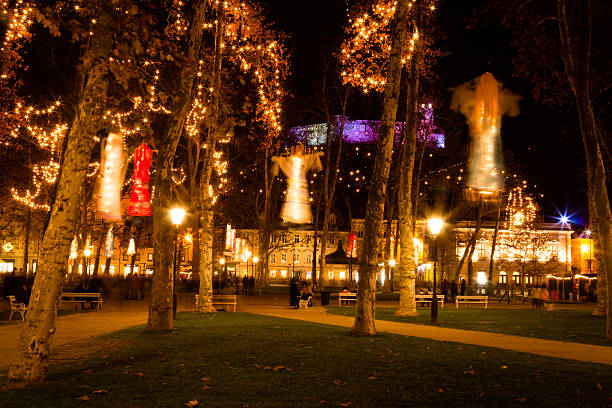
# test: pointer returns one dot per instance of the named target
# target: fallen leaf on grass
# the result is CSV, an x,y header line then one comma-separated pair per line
x,y
504,367
373,377
256,366
440,389
522,399
165,384
193,403
598,386
347,404
87,371
83,398
267,368
206,387
278,368
227,363
339,382
470,372
251,357
139,375
99,392
205,379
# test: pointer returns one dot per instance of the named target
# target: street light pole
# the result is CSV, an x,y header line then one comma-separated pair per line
x,y
177,215
435,226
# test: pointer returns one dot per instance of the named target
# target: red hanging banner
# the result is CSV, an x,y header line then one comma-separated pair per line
x,y
140,202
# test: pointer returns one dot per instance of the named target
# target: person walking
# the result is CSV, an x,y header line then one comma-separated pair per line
x,y
251,284
454,290
245,284
445,286
536,292
463,286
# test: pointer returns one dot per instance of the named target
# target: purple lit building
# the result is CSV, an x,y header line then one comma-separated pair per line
x,y
366,131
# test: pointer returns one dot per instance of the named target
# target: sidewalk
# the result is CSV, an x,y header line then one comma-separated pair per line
x,y
549,348
78,326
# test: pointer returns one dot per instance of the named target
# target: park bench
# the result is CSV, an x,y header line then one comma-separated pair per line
x,y
78,297
225,301
472,299
346,297
17,307
426,300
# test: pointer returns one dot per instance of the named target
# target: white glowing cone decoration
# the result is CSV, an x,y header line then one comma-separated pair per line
x,y
483,102
109,200
108,247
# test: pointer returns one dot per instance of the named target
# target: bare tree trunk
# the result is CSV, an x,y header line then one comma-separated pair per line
x,y
368,263
469,249
205,301
35,340
26,240
97,256
406,213
493,245
574,17
160,307
264,223
388,233
329,187
602,293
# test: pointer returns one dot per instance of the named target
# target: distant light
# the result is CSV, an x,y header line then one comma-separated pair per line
x,y
392,262
222,261
435,225
177,215
587,233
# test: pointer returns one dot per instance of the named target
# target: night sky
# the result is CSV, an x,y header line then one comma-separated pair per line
x,y
544,142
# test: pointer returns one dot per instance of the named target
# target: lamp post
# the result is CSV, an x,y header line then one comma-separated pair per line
x,y
177,215
87,253
435,226
255,260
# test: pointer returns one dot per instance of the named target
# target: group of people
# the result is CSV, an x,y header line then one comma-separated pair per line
x,y
248,284
445,286
300,292
539,296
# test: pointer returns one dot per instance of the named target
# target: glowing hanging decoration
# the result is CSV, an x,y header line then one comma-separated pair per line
x,y
131,247
73,248
140,202
483,102
296,208
109,201
109,245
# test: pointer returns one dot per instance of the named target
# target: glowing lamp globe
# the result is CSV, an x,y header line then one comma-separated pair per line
x,y
222,261
177,215
255,259
392,263
87,252
435,226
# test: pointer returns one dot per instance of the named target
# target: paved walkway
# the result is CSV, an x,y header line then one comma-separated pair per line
x,y
78,326
549,348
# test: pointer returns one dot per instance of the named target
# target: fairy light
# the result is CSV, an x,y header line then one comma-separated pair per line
x,y
365,52
521,209
19,21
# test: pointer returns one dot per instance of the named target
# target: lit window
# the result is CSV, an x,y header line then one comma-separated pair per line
x,y
356,276
273,273
503,278
481,278
273,258
330,275
342,275
308,258
529,280
150,256
284,239
516,278
284,257
483,251
296,258
308,274
6,266
283,273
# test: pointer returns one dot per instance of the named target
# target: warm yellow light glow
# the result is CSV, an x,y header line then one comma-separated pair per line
x,y
87,252
131,247
222,261
177,215
584,248
255,259
392,262
8,247
189,238
435,225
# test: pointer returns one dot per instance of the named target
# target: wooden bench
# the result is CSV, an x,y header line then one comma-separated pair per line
x,y
472,299
346,297
225,301
427,299
77,297
17,307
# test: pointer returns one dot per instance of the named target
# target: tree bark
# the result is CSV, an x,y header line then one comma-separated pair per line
x,y
368,261
574,17
160,307
406,215
205,301
36,335
493,245
602,293
264,223
26,240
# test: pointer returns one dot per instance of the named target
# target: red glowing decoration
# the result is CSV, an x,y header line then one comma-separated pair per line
x,y
140,202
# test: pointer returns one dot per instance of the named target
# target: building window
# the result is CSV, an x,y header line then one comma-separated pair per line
x,y
331,238
126,257
150,256
529,280
296,239
481,278
284,257
296,258
273,273
482,249
359,234
308,258
284,239
554,249
283,273
503,278
342,275
273,259
330,274
309,239
516,278
6,267
138,257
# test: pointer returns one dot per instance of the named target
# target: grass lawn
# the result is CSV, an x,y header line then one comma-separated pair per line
x,y
244,360
565,325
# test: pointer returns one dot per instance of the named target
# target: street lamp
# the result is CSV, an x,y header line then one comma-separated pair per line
x,y
255,260
177,215
435,226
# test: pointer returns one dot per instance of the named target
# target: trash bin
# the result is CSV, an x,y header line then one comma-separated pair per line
x,y
325,297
